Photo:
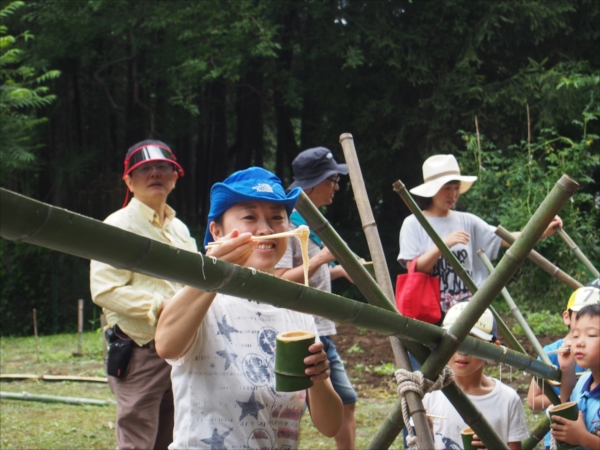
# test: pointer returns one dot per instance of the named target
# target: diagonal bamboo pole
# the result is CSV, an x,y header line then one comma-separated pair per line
x,y
394,422
413,400
516,312
542,262
514,309
58,229
580,255
506,334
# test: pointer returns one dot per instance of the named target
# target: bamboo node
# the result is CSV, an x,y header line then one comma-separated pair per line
x,y
416,382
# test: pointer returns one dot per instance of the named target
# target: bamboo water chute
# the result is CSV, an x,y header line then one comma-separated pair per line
x,y
55,228
40,224
553,270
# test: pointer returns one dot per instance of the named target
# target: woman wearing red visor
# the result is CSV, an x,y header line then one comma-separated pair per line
x,y
139,379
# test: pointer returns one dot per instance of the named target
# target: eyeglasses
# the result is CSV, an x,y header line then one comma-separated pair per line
x,y
162,167
335,180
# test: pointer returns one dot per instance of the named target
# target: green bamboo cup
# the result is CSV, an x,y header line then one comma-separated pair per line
x,y
467,438
292,348
569,411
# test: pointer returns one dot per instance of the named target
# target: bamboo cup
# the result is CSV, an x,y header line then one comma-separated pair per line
x,y
467,438
569,411
292,348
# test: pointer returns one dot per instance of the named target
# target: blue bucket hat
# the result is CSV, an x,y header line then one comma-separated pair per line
x,y
254,184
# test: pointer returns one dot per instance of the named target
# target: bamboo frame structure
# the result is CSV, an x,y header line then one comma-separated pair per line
x,y
414,402
542,262
394,422
58,229
61,230
482,298
580,255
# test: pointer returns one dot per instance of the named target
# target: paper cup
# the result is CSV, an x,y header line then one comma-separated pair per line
x,y
569,411
467,438
292,348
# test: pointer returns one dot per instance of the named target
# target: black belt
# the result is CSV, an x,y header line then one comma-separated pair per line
x,y
123,335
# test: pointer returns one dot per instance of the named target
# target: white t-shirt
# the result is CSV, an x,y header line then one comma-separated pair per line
x,y
224,387
414,241
502,408
321,278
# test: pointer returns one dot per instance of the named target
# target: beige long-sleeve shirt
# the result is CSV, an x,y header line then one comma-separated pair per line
x,y
130,299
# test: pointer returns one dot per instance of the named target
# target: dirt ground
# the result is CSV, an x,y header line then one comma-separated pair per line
x,y
366,352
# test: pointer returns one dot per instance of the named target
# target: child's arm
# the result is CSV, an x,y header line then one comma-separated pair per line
x,y
574,432
326,409
535,399
182,315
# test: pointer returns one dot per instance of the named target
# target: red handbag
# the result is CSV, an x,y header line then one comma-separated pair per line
x,y
418,295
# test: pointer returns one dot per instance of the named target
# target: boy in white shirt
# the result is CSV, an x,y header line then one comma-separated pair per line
x,y
499,403
221,347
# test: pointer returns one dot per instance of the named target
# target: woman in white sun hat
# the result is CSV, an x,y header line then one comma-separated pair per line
x,y
464,233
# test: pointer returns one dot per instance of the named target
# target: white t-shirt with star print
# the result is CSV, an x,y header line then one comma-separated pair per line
x,y
224,387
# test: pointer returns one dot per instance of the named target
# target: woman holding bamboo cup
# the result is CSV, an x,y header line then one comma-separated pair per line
x,y
463,233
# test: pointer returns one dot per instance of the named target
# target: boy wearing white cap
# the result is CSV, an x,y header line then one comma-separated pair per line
x,y
499,403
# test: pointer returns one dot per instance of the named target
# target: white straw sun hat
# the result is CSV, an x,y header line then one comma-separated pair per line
x,y
439,170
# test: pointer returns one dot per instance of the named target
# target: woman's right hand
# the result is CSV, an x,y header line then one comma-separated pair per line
x,y
457,237
236,248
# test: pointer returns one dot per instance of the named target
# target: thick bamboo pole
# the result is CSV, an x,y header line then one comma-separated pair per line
x,y
415,405
514,309
516,312
580,255
506,334
542,262
58,229
537,433
506,268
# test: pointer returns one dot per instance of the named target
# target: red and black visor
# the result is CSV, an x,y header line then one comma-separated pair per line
x,y
147,153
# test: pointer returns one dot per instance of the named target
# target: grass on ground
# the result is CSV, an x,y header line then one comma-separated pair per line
x,y
36,425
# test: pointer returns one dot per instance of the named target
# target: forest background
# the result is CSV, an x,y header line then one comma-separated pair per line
x,y
229,84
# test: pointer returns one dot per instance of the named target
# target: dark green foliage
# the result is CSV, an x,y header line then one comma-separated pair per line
x,y
233,83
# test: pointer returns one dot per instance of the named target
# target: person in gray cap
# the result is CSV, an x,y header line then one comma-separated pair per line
x,y
317,173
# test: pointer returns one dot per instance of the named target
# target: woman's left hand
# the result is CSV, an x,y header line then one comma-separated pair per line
x,y
318,364
551,229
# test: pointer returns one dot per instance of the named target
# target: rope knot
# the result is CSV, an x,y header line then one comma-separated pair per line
x,y
416,382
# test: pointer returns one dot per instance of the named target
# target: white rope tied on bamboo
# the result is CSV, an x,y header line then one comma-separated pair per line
x,y
416,382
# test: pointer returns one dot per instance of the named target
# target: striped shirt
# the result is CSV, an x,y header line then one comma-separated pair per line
x,y
130,299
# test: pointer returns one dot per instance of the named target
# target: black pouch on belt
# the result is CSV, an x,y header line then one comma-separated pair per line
x,y
119,353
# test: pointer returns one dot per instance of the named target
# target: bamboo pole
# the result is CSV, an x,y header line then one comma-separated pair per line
x,y
79,328
35,332
414,402
514,310
28,376
506,334
508,265
41,224
55,399
580,255
542,262
537,433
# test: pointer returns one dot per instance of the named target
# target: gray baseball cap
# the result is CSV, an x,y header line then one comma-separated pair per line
x,y
312,166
